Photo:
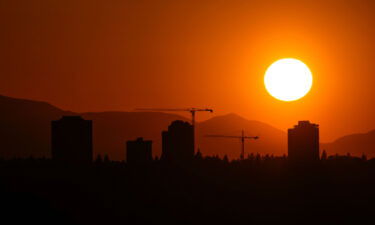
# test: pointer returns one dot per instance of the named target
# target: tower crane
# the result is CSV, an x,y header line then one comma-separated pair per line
x,y
242,139
191,110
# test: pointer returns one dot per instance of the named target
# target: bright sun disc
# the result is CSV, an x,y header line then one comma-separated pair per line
x,y
288,79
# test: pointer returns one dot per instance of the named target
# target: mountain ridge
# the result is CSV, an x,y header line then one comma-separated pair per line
x,y
355,144
25,131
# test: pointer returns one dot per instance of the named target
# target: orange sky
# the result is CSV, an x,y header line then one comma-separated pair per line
x,y
87,55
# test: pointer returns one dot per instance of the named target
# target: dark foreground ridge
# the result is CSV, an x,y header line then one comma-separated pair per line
x,y
258,190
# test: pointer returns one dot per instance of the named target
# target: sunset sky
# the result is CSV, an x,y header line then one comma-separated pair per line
x,y
88,55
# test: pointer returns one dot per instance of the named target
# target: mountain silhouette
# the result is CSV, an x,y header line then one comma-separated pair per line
x,y
355,144
25,131
25,127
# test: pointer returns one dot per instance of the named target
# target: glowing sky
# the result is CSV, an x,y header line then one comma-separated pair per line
x,y
119,55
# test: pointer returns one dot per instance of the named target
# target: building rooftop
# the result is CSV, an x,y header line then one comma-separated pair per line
x,y
72,118
305,123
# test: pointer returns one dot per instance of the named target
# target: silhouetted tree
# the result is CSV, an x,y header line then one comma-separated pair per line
x,y
324,155
198,155
99,159
258,158
251,157
106,158
225,159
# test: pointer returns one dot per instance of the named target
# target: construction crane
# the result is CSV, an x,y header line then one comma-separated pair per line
x,y
242,138
191,110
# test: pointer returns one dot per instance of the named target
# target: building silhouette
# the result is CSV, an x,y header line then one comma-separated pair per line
x,y
303,142
72,139
178,142
138,151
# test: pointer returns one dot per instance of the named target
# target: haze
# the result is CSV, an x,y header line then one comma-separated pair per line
x,y
119,55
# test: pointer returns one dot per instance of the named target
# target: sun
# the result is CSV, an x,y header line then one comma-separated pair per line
x,y
288,79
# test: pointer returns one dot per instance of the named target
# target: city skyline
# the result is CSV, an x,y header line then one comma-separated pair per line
x,y
122,112
112,128
205,118
72,143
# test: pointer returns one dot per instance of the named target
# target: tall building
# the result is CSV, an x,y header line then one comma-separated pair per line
x,y
303,142
72,139
178,142
138,151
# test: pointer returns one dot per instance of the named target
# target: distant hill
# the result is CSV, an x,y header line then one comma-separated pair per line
x,y
355,144
25,127
25,131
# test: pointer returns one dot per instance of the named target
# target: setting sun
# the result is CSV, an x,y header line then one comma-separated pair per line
x,y
288,79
